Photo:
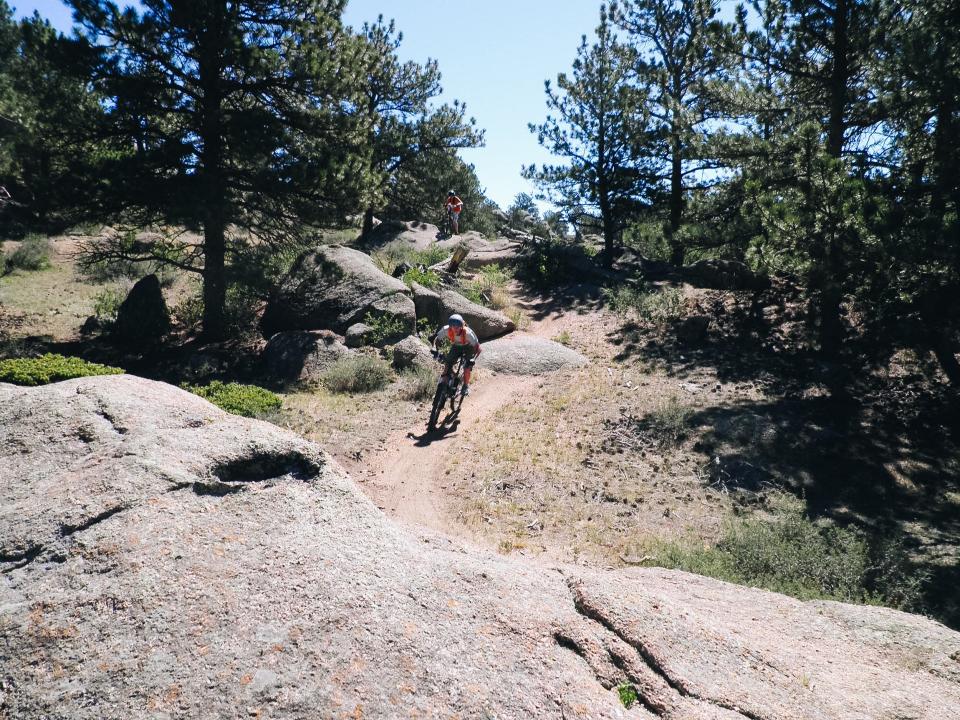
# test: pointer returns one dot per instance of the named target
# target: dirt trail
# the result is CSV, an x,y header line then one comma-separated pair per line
x,y
408,477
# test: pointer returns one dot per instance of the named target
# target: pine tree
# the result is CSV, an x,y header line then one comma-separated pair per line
x,y
597,125
680,58
235,119
400,122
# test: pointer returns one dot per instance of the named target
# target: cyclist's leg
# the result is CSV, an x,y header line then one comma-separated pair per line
x,y
448,362
455,221
467,365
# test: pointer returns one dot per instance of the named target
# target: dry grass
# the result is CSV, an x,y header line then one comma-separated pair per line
x,y
540,479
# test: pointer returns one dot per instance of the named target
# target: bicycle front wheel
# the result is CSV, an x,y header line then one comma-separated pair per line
x,y
438,400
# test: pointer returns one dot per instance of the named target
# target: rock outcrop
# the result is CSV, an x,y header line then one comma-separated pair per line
x,y
302,355
143,316
528,355
163,559
333,287
486,323
412,351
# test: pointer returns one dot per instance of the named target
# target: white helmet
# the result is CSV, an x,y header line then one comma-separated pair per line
x,y
455,320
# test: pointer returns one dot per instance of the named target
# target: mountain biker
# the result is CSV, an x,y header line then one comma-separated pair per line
x,y
463,342
453,207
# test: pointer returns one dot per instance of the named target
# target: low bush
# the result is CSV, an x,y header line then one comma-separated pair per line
x,y
362,373
389,257
50,368
787,552
239,399
384,328
418,383
427,278
32,254
489,287
658,307
107,302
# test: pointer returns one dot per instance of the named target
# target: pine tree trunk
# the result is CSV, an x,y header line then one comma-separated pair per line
x,y
677,250
367,222
212,181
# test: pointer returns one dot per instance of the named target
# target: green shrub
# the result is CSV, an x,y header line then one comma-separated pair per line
x,y
33,254
393,254
791,554
189,311
658,307
384,328
418,383
362,373
107,302
427,278
50,368
246,400
563,338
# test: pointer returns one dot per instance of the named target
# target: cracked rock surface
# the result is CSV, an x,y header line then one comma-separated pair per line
x,y
162,559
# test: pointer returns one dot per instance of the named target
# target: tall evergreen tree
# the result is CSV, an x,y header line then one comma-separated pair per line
x,y
235,116
596,126
680,57
400,122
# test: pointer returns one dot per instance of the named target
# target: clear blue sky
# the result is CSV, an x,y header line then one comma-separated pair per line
x,y
494,56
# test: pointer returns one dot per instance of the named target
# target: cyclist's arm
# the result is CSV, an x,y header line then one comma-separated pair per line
x,y
442,331
474,341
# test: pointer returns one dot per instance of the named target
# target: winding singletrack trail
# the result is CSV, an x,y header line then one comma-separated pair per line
x,y
407,479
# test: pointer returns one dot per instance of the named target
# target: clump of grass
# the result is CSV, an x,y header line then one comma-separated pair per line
x,y
787,552
658,307
563,338
669,423
362,373
239,399
488,287
50,368
628,694
418,383
32,254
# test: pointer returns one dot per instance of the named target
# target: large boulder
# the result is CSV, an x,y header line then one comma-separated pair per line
x,y
724,275
486,323
331,288
427,302
302,355
143,316
412,351
528,355
164,559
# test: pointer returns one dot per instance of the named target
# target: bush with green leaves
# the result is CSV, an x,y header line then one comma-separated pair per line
x,y
384,328
787,552
657,307
50,368
394,254
107,302
360,373
239,399
32,254
421,276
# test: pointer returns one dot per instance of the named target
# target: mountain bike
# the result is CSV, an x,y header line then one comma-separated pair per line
x,y
452,390
446,225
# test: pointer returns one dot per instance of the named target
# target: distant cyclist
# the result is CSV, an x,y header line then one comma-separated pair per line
x,y
454,206
463,342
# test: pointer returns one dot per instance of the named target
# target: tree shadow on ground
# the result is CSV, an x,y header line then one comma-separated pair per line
x,y
577,298
882,453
